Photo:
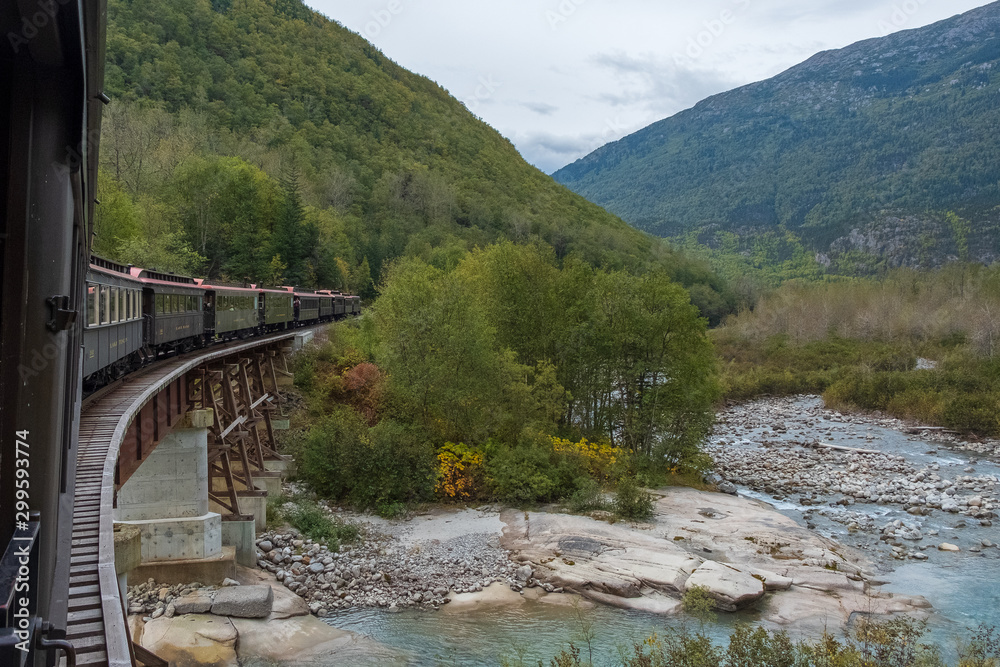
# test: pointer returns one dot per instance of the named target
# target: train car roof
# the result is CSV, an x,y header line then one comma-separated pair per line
x,y
270,290
305,292
97,262
223,287
111,273
155,277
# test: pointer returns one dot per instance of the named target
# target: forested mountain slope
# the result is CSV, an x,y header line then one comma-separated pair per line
x,y
256,138
859,153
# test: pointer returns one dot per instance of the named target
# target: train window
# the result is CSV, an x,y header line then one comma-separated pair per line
x,y
114,305
127,297
190,303
105,296
159,304
92,304
136,309
122,315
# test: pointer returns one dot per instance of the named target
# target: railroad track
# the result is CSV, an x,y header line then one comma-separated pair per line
x,y
97,623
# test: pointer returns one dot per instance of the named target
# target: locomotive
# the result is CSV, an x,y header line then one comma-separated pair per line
x,y
134,315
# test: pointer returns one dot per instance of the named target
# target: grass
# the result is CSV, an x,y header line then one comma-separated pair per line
x,y
311,520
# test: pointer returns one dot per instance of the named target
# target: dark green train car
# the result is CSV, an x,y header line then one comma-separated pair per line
x,y
172,306
230,312
276,313
112,328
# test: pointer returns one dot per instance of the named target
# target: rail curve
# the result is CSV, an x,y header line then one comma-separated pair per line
x,y
97,625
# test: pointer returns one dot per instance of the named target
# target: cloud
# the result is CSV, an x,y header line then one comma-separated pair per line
x,y
540,108
658,84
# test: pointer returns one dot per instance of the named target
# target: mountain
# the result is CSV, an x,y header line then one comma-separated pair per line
x,y
258,138
857,155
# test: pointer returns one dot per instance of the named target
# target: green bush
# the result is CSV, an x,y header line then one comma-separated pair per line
x,y
699,603
588,497
394,465
976,413
631,501
342,459
329,452
532,473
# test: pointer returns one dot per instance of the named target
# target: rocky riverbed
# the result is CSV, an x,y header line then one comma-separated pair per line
x,y
904,485
395,564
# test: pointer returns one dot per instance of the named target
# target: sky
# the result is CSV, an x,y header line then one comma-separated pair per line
x,y
560,78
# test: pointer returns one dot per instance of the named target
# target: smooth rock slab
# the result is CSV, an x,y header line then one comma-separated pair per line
x,y
945,546
243,601
192,641
731,588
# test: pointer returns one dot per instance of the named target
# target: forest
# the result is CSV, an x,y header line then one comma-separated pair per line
x,y
519,380
258,139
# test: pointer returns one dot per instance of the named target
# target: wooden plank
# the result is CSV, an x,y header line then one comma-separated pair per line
x,y
84,591
83,604
147,657
82,630
95,659
95,641
83,615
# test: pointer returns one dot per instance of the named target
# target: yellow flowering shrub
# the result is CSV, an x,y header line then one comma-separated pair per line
x,y
600,457
460,472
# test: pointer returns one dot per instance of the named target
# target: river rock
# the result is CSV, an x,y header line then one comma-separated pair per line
x,y
243,601
731,588
192,640
945,546
194,603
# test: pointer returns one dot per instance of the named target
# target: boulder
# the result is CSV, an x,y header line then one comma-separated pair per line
x,y
731,588
192,640
196,603
243,601
945,546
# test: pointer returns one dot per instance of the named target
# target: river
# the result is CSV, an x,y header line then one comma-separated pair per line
x,y
963,587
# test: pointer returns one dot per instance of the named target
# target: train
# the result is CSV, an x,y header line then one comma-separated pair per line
x,y
134,316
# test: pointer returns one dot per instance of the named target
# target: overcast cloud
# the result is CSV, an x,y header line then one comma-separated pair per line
x,y
560,78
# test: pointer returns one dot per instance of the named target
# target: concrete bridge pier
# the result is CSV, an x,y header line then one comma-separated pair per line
x,y
167,499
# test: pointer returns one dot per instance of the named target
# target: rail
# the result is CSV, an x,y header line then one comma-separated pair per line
x,y
97,624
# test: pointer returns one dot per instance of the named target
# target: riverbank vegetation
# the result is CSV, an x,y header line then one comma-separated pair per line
x,y
858,341
871,643
509,376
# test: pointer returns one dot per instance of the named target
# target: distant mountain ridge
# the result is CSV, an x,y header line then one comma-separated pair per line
x,y
859,151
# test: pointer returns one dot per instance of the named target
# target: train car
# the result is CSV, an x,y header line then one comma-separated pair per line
x,y
325,306
353,305
308,310
113,341
337,303
276,312
230,311
172,308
